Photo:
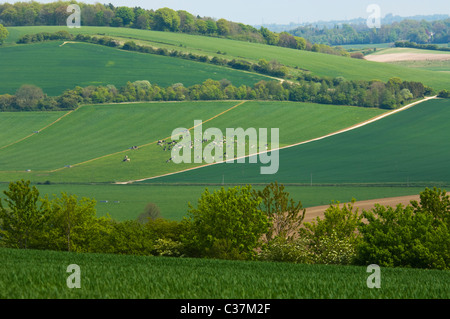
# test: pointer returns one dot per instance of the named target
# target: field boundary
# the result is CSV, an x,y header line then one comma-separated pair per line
x,y
353,127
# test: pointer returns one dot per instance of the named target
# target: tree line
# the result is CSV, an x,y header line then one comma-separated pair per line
x,y
163,19
340,91
424,32
238,223
408,44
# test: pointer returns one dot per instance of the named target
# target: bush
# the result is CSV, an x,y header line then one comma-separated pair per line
x,y
444,94
415,236
357,55
283,250
331,249
227,224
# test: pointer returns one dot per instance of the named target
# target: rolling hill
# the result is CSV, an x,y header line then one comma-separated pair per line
x,y
405,148
317,63
56,68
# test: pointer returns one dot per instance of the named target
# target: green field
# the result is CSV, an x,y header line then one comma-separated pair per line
x,y
43,274
17,126
408,148
56,69
317,63
95,139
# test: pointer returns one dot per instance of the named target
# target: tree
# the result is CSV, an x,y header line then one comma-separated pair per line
x,y
166,19
151,212
126,14
187,21
413,236
23,219
73,225
201,26
27,96
3,34
226,224
285,216
223,27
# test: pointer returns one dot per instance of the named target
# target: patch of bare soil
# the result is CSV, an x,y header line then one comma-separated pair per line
x,y
318,211
397,57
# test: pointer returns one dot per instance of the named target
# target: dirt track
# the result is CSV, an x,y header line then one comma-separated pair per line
x,y
314,212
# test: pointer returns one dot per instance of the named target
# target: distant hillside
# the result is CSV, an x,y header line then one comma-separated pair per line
x,y
388,19
356,32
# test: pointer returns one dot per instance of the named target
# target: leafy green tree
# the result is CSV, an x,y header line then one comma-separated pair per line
x,y
226,224
74,226
417,235
223,27
187,21
27,96
126,14
201,26
166,19
23,219
4,33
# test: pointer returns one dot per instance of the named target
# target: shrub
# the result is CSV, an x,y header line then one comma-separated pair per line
x,y
413,236
331,249
357,55
283,250
168,248
444,94
226,224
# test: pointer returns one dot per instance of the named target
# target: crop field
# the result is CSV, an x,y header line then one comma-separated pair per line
x,y
407,147
18,126
93,140
317,63
56,68
42,275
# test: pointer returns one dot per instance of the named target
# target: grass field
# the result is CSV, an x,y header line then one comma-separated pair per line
x,y
317,63
407,147
55,69
43,275
17,126
95,139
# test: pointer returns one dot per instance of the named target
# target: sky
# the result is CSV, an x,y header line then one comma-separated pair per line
x,y
256,12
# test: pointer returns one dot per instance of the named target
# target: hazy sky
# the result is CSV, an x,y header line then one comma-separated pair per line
x,y
285,11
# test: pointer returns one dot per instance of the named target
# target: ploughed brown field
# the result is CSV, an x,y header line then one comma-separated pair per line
x,y
318,211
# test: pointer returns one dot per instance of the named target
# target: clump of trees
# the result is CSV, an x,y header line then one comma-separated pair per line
x,y
238,223
445,94
408,44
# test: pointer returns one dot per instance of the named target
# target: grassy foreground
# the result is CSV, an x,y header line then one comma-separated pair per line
x,y
43,274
